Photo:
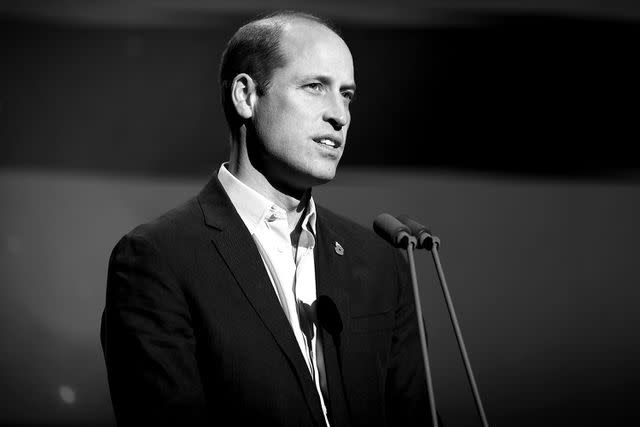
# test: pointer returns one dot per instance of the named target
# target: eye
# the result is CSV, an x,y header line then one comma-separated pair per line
x,y
314,86
348,95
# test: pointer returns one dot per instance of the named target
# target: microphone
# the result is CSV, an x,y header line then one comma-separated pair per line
x,y
400,235
392,230
425,239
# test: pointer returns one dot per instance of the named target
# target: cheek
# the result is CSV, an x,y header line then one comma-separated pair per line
x,y
282,117
286,120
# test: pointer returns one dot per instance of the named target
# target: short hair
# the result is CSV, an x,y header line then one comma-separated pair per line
x,y
255,50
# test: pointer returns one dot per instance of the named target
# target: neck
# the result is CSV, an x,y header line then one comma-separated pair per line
x,y
293,202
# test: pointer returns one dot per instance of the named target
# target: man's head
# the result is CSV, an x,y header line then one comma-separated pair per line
x,y
288,80
255,49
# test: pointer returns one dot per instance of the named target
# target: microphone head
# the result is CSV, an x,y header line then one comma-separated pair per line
x,y
392,230
420,232
416,228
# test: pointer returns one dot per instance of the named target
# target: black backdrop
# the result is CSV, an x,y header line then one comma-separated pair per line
x,y
528,95
512,136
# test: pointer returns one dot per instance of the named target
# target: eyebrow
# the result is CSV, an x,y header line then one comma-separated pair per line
x,y
351,87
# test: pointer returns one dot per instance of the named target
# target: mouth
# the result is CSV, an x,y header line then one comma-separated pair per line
x,y
328,141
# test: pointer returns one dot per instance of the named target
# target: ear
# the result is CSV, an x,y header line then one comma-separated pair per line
x,y
243,95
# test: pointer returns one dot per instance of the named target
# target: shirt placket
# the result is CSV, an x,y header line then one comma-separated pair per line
x,y
279,226
303,298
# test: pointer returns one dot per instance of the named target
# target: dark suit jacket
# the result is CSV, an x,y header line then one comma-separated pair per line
x,y
193,332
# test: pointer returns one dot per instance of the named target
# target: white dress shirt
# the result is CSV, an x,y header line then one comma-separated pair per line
x,y
291,269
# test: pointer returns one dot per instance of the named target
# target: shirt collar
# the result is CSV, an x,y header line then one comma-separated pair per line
x,y
309,221
253,207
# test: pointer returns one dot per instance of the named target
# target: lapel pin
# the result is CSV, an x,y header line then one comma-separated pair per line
x,y
339,249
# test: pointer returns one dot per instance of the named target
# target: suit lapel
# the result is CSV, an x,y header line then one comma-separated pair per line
x,y
331,265
236,246
332,278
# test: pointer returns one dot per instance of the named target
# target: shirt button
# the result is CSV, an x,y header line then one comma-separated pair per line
x,y
272,217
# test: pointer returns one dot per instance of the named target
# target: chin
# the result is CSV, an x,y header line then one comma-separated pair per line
x,y
324,174
308,179
323,179
310,174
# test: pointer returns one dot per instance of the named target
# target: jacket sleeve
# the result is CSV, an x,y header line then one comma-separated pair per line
x,y
148,340
406,391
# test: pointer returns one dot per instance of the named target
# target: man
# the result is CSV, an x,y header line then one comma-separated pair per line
x,y
250,304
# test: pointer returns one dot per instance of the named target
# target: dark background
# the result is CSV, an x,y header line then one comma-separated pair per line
x,y
509,130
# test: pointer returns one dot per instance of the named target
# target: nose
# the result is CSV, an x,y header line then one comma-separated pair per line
x,y
337,112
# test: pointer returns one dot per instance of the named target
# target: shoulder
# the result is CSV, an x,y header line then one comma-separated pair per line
x,y
177,221
168,234
161,251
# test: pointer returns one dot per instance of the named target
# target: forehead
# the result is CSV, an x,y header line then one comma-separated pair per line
x,y
312,48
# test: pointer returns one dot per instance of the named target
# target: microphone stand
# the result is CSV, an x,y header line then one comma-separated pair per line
x,y
411,244
403,232
432,243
